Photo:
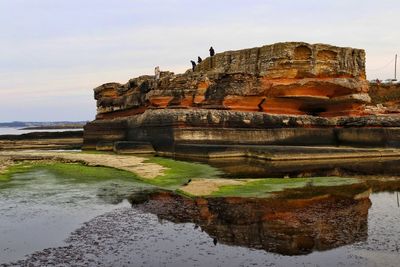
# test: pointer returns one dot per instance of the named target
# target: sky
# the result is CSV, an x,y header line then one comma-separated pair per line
x,y
54,52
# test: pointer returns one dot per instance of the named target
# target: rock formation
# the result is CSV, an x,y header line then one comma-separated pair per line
x,y
284,78
385,98
246,96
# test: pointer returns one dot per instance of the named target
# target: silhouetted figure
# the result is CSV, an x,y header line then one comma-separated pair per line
x,y
212,52
199,60
193,64
215,241
157,73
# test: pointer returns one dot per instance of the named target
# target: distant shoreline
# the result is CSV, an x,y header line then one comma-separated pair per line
x,y
54,127
42,135
42,140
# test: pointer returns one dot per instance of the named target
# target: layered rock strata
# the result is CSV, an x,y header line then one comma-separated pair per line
x,y
285,93
165,129
284,78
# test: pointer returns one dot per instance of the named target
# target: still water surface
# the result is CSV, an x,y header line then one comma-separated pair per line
x,y
10,130
69,222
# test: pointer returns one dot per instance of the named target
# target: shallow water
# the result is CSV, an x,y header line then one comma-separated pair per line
x,y
248,167
91,223
39,209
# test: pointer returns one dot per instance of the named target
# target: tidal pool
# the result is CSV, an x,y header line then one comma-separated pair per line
x,y
39,208
74,219
249,167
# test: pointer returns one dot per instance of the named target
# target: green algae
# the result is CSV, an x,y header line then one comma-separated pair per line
x,y
79,172
179,172
4,177
7,175
108,184
72,171
176,173
264,187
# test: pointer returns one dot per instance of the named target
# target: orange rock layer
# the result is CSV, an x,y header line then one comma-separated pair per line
x,y
283,78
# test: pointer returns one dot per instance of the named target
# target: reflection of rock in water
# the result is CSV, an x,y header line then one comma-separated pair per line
x,y
305,168
285,226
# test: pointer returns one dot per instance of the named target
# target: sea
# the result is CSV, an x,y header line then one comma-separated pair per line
x,y
11,130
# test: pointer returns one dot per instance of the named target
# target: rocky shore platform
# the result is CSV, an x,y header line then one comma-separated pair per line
x,y
42,140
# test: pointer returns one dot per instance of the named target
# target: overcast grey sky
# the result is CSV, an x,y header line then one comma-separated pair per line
x,y
53,52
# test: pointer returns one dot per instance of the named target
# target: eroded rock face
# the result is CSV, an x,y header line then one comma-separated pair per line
x,y
385,98
283,78
281,94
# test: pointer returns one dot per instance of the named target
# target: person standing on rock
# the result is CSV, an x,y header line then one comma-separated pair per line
x,y
212,52
157,73
193,64
199,60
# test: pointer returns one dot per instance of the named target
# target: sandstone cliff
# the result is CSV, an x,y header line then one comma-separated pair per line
x,y
285,93
283,78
